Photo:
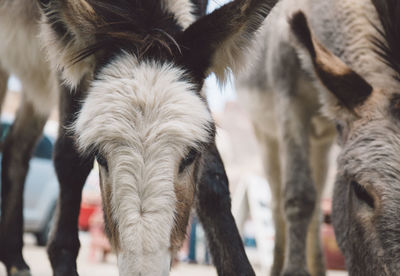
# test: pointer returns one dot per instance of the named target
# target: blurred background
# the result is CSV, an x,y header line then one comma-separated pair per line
x,y
249,189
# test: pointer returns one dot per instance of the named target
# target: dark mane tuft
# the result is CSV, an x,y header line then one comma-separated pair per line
x,y
389,48
132,25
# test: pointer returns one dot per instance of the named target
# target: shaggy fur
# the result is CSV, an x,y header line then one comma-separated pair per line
x,y
158,117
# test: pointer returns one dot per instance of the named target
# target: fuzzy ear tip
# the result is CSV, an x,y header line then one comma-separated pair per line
x,y
298,21
299,25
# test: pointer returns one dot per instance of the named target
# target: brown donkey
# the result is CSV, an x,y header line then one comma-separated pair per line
x,y
136,69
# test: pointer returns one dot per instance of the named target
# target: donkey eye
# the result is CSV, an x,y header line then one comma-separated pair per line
x,y
188,160
362,194
101,161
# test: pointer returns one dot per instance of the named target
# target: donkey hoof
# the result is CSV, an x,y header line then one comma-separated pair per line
x,y
14,271
65,272
295,272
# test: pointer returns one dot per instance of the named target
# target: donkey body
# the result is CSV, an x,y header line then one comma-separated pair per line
x,y
356,78
130,95
21,54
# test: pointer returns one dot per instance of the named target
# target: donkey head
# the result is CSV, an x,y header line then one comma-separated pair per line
x,y
144,116
366,202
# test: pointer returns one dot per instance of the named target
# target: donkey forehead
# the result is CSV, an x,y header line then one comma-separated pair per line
x,y
372,155
143,102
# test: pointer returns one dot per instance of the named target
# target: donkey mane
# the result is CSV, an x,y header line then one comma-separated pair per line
x,y
135,26
388,45
132,25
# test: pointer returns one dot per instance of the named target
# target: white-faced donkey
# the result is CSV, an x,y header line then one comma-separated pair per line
x,y
132,73
356,76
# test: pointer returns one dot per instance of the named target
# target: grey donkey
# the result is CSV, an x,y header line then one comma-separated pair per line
x,y
356,77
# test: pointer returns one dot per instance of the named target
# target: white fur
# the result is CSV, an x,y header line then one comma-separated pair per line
x,y
21,54
143,118
182,10
156,264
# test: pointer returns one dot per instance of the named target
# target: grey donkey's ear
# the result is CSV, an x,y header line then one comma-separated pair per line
x,y
349,89
217,42
67,27
70,19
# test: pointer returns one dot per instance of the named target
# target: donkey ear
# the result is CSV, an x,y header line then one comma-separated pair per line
x,y
67,27
70,17
216,42
348,88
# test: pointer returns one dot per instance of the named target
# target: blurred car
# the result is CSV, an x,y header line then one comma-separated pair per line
x,y
91,217
41,186
334,258
91,199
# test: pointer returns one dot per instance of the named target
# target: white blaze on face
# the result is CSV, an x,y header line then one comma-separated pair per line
x,y
157,264
143,118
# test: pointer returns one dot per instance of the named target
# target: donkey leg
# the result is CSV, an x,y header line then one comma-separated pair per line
x,y
18,148
293,109
214,210
320,146
72,171
299,193
270,152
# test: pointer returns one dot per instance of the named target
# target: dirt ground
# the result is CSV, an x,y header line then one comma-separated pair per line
x,y
38,261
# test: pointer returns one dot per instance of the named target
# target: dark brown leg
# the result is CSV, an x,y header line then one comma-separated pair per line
x,y
72,171
17,151
214,210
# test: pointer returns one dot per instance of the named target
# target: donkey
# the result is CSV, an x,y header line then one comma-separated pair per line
x,y
131,96
356,76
